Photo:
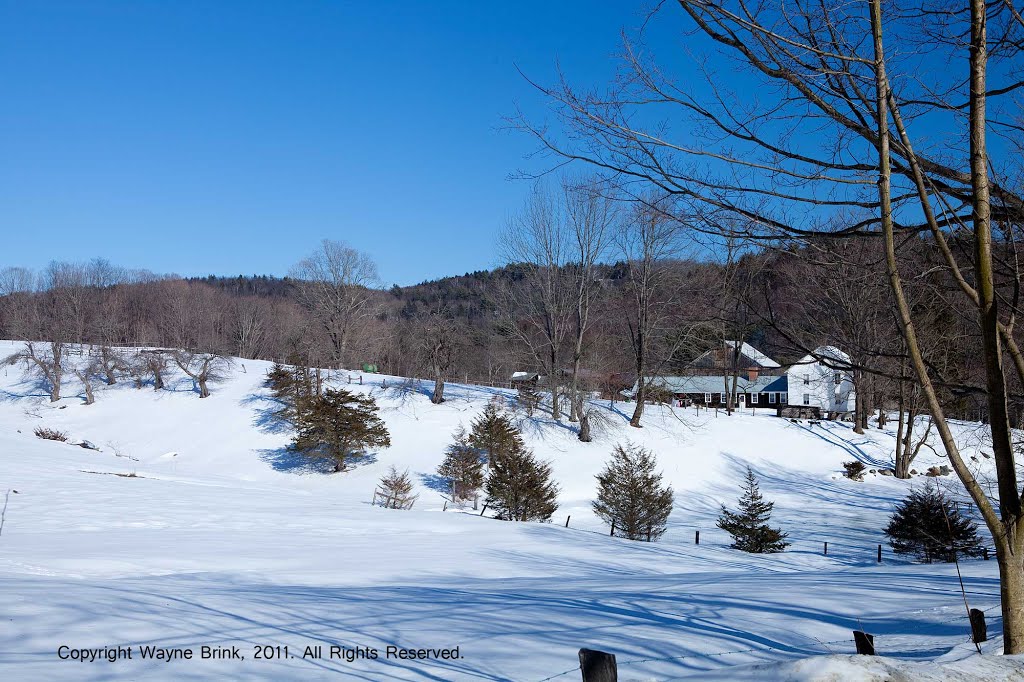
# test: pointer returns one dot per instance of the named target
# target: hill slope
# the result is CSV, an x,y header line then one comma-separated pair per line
x,y
223,538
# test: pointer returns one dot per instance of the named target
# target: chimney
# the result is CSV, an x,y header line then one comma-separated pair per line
x,y
752,373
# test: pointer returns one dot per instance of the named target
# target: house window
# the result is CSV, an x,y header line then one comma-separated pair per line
x,y
807,379
784,398
724,397
707,398
771,398
838,378
753,399
807,398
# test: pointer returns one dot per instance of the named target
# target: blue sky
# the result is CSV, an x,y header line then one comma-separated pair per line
x,y
230,137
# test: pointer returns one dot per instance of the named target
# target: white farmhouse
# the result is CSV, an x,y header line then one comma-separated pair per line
x,y
822,380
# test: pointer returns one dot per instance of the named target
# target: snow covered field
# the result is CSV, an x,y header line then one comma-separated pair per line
x,y
223,539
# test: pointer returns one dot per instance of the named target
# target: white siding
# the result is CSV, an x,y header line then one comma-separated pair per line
x,y
813,382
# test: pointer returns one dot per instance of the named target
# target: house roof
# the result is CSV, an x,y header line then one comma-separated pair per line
x,y
716,384
754,354
717,358
830,356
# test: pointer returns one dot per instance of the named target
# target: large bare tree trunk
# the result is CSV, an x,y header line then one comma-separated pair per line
x,y
1009,537
1005,527
437,397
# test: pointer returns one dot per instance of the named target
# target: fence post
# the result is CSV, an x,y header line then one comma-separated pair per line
x,y
879,554
648,533
979,633
567,520
865,643
826,549
696,538
598,666
613,529
445,506
984,551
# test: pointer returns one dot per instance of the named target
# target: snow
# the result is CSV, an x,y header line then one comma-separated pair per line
x,y
222,538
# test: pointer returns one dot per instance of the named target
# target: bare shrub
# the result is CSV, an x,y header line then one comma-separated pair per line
x,y
50,434
854,470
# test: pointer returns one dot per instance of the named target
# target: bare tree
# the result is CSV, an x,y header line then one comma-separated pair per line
x,y
334,284
248,320
45,361
592,216
110,361
202,368
440,342
152,363
648,244
86,373
536,305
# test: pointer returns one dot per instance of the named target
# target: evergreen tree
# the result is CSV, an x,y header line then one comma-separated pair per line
x,y
519,487
927,526
462,468
749,526
493,432
630,496
338,425
293,387
395,490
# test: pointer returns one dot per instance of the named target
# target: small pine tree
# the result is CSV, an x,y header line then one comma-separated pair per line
x,y
395,490
630,496
927,526
462,468
493,432
338,425
749,526
293,387
519,487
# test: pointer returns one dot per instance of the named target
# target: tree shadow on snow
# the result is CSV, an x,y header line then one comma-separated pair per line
x,y
290,461
686,624
436,483
267,418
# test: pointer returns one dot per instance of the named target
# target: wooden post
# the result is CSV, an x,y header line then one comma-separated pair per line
x,y
879,554
598,666
865,643
979,633
613,529
696,538
484,509
445,506
567,520
984,552
648,534
826,549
